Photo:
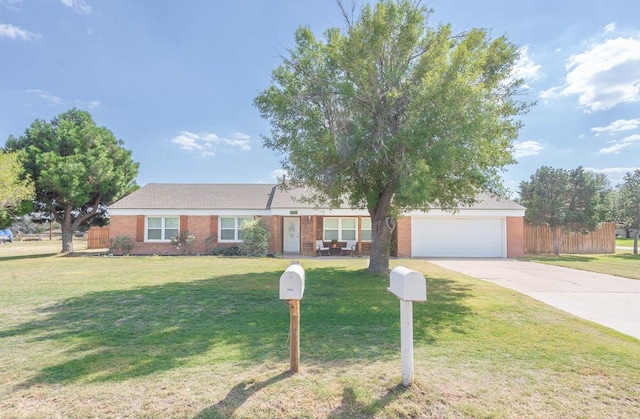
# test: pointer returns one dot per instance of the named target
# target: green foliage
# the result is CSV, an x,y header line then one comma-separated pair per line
x,y
210,243
226,251
390,114
120,245
16,189
629,204
255,237
77,167
184,242
565,200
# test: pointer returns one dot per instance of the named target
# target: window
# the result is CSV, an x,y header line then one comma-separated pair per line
x,y
366,229
340,229
162,228
230,228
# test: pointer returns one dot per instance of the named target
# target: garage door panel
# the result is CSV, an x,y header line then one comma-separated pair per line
x,y
457,237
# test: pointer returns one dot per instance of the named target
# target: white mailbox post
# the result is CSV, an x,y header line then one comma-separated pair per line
x,y
292,289
408,286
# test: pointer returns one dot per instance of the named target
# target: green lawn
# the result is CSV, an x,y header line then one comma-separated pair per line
x,y
624,242
207,337
621,263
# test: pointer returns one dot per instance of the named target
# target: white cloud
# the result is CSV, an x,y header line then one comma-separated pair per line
x,y
13,5
614,174
78,6
51,98
605,75
620,145
617,126
610,27
92,104
551,93
14,32
527,148
525,68
278,174
208,143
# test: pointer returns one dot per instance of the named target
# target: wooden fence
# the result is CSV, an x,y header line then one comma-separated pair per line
x,y
539,239
98,238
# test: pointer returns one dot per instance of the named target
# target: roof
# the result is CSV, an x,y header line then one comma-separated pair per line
x,y
198,196
242,196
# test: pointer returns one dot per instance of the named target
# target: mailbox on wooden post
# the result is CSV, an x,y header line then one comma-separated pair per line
x,y
408,286
292,290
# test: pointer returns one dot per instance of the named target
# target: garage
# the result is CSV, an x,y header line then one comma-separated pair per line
x,y
458,237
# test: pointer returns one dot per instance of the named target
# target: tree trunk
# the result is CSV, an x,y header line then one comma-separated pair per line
x,y
635,242
67,231
557,240
380,245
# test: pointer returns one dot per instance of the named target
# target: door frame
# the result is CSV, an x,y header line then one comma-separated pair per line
x,y
296,232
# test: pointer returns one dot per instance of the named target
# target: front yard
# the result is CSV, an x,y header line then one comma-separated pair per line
x,y
207,337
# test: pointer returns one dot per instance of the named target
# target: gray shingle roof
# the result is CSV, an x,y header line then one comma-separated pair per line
x,y
237,196
198,196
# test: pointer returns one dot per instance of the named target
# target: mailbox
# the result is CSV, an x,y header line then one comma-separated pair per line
x,y
407,284
292,283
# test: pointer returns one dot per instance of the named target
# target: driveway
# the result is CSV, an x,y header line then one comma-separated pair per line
x,y
609,300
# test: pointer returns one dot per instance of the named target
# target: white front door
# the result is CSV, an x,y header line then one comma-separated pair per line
x,y
291,235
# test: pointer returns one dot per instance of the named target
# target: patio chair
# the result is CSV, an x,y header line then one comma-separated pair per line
x,y
349,248
320,247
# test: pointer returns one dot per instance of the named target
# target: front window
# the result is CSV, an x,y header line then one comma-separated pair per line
x,y
230,228
340,229
162,228
366,229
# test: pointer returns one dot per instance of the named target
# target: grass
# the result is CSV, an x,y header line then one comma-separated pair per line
x,y
207,337
621,263
624,242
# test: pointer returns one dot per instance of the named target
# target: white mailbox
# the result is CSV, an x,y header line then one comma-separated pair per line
x,y
292,283
407,284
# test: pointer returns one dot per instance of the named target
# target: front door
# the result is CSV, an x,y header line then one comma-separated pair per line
x,y
291,235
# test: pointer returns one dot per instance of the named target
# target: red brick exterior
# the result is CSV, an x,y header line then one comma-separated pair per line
x,y
311,229
515,237
403,229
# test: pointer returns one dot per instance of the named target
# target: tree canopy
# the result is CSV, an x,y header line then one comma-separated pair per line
x,y
629,204
77,167
389,114
564,200
16,189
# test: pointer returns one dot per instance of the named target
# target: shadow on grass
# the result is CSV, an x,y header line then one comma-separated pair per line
x,y
351,407
239,394
119,335
24,257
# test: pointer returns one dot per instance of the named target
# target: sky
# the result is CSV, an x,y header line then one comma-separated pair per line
x,y
176,80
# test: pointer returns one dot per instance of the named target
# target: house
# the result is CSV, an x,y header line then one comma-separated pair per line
x,y
150,216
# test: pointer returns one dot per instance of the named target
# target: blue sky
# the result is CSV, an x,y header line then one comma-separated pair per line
x,y
176,80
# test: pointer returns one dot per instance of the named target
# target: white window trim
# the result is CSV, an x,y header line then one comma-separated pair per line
x,y
163,228
340,229
362,229
236,229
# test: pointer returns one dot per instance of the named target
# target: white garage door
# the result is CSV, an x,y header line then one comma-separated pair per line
x,y
457,237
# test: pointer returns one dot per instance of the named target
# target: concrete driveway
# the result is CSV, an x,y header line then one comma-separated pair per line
x,y
609,300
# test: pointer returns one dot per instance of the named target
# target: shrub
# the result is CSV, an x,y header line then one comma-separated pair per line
x,y
183,242
121,245
210,244
226,251
255,237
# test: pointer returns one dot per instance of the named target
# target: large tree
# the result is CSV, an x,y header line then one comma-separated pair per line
x,y
629,204
564,200
77,168
16,189
389,114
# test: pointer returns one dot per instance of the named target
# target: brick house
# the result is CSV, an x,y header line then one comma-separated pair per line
x,y
153,214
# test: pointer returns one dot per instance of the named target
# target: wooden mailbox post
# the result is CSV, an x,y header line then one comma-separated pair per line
x,y
292,289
